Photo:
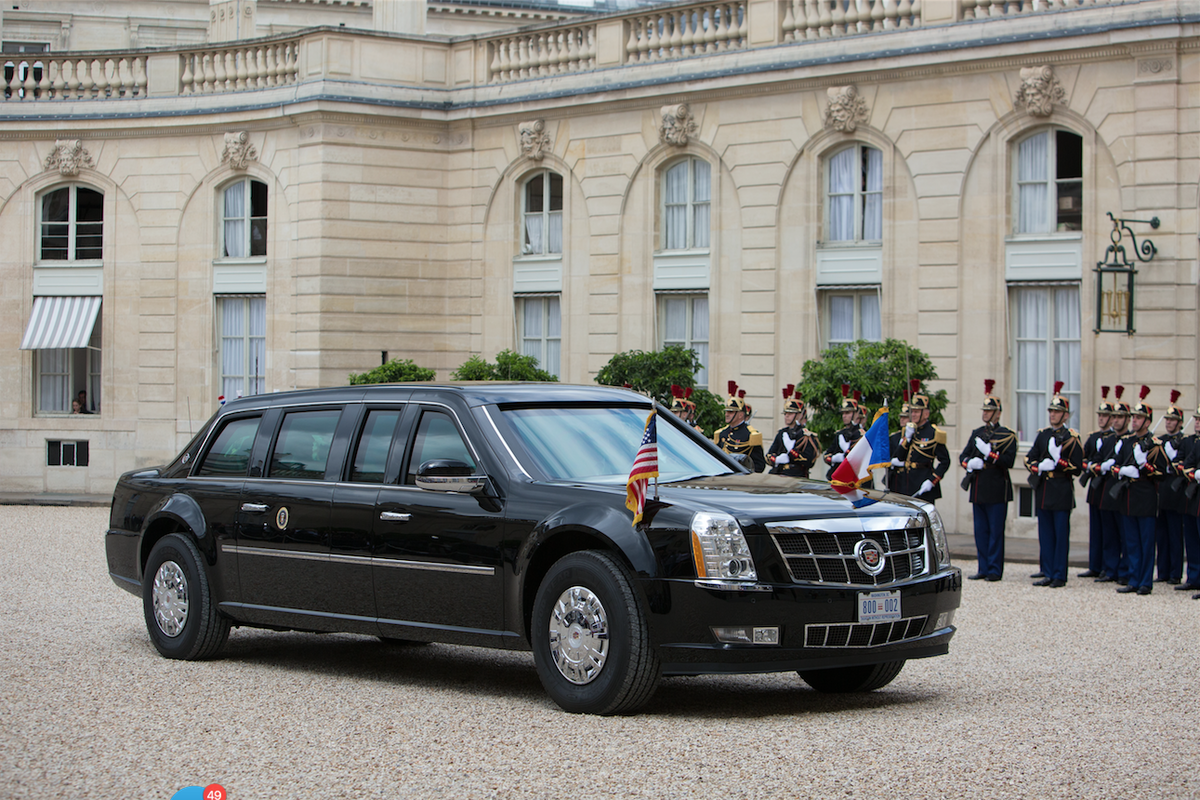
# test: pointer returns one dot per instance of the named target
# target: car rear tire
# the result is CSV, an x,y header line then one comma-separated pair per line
x,y
852,679
591,640
181,617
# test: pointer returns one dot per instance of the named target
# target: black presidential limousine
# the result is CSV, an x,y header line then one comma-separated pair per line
x,y
494,514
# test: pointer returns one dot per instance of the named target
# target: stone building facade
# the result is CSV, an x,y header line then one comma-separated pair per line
x,y
754,178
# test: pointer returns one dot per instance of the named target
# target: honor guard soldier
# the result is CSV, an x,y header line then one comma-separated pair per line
x,y
844,439
1191,507
922,451
683,406
1138,470
1054,460
1092,475
795,448
893,472
737,437
1168,530
990,453
1116,561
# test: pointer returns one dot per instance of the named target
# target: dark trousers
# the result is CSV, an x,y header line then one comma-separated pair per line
x,y
1139,544
1168,541
1054,536
989,537
1095,539
1111,530
1191,543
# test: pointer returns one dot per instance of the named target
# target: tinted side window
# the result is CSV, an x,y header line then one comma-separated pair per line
x,y
437,438
302,447
230,453
371,452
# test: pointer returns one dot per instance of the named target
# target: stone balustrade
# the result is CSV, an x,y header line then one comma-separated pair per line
x,y
75,76
237,69
679,32
531,55
819,19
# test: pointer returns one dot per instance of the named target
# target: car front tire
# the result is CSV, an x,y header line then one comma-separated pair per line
x,y
181,617
591,640
852,679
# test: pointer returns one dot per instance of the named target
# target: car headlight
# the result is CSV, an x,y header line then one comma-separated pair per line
x,y
719,549
937,530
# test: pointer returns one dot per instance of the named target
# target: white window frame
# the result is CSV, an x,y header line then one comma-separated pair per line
x,y
857,295
691,339
859,193
1054,185
83,371
247,218
1045,391
72,225
691,205
547,214
541,342
253,376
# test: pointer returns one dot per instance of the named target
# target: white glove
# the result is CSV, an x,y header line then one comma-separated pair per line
x,y
1171,451
1120,442
897,462
838,458
1046,465
1138,455
1054,448
983,447
1108,465
842,443
925,487
782,459
909,430
1128,472
974,464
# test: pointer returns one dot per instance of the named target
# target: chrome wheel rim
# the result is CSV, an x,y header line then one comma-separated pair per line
x,y
579,635
170,599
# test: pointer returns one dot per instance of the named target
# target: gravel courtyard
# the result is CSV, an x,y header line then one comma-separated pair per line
x,y
1076,692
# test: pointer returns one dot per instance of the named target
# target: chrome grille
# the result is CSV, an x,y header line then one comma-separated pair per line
x,y
828,556
863,634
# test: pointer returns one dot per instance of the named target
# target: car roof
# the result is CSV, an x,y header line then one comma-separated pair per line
x,y
472,392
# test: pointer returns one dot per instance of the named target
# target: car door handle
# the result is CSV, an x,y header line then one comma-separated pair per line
x,y
394,516
255,508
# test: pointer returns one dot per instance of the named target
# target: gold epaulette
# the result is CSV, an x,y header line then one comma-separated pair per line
x,y
717,434
1074,432
755,439
939,435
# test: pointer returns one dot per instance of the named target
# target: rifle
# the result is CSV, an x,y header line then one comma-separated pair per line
x,y
969,479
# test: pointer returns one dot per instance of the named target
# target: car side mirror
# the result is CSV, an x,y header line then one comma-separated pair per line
x,y
449,475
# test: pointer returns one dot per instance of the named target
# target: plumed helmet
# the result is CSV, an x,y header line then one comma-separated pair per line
x,y
1119,408
917,401
736,401
791,400
847,400
1141,408
1105,406
990,401
904,405
1059,401
1173,411
677,401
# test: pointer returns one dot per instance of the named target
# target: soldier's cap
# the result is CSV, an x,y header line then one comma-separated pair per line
x,y
858,403
1142,408
1105,406
1197,414
1059,402
737,398
791,400
847,401
990,402
904,405
687,398
677,401
917,401
1173,411
1119,408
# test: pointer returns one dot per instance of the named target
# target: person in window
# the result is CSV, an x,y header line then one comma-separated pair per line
x,y
737,437
1093,475
990,453
1168,534
923,453
1054,460
795,448
1140,467
75,407
844,439
81,398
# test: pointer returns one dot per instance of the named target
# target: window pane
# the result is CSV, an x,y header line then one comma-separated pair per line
x,y
1033,166
1033,160
873,196
258,237
532,318
54,237
676,223
1033,314
555,243
258,199
535,194
700,319
553,317
533,234
89,224
841,318
54,380
556,192
235,221
230,453
872,328
370,456
258,218
674,320
703,172
302,447
437,438
841,196
675,190
700,225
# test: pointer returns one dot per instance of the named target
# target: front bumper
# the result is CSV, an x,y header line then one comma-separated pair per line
x,y
818,625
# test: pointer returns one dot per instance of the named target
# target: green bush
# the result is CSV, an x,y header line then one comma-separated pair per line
x,y
509,366
394,371
879,370
652,373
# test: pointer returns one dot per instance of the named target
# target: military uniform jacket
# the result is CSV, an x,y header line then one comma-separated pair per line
x,y
1140,499
1110,450
742,438
1191,505
991,484
1092,477
801,447
1170,487
925,458
1056,489
850,434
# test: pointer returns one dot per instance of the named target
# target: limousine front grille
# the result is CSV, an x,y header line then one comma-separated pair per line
x,y
825,557
863,634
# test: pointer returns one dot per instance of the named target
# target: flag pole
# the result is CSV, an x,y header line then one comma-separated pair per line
x,y
654,410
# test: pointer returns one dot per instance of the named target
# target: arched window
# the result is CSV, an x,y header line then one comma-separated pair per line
x,y
542,202
71,224
1048,180
854,196
686,202
244,219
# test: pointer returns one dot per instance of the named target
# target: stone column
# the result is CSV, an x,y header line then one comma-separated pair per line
x,y
400,16
232,20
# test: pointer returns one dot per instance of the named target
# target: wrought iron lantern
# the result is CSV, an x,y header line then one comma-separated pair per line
x,y
1115,277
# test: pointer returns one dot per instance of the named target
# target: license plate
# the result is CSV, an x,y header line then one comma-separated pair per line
x,y
878,606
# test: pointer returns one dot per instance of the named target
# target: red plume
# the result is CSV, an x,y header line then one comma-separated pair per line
x,y
1104,392
914,385
791,387
988,383
1174,396
628,386
1058,386
1118,390
787,392
742,394
906,395
1145,391
688,393
845,390
857,396
676,392
732,388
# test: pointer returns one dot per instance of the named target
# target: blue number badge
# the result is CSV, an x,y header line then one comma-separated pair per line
x,y
189,793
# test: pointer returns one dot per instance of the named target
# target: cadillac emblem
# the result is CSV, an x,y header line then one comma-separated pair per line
x,y
281,518
869,555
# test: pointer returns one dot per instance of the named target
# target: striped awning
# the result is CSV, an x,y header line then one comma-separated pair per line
x,y
60,323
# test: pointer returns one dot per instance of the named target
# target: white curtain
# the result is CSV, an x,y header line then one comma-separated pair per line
x,y
872,328
841,318
235,221
1066,346
54,389
1033,328
873,198
534,243
552,362
675,207
233,347
674,320
1033,176
258,344
703,203
841,196
531,327
556,243
700,336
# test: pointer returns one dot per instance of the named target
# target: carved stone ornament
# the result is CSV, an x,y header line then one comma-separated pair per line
x,y
238,150
846,109
69,156
1040,90
677,125
534,139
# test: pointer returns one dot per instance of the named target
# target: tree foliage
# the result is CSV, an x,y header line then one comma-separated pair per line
x,y
880,370
509,366
394,371
652,373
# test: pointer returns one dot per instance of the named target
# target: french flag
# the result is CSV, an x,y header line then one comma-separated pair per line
x,y
871,451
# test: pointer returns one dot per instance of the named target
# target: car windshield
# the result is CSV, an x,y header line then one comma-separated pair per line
x,y
598,444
